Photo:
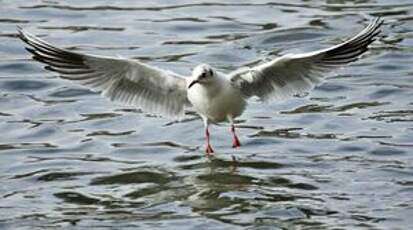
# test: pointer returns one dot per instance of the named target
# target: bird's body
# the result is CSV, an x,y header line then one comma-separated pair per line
x,y
217,99
214,95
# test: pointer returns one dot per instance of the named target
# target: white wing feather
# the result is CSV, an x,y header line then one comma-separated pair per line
x,y
296,73
124,80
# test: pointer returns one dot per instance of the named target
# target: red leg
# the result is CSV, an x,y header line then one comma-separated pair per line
x,y
235,141
209,151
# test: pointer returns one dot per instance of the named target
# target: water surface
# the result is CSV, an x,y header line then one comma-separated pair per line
x,y
337,158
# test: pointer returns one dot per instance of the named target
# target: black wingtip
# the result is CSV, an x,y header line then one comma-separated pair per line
x,y
377,22
22,35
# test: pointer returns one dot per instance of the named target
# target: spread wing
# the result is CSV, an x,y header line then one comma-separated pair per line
x,y
296,73
123,80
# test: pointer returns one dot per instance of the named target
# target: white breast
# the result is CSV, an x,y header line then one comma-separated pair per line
x,y
217,100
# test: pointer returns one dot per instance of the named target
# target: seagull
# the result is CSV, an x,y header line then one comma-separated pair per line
x,y
214,95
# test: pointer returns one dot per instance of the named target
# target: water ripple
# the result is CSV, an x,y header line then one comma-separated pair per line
x,y
82,28
337,157
149,8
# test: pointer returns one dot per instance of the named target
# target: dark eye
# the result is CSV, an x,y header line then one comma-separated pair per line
x,y
211,73
203,75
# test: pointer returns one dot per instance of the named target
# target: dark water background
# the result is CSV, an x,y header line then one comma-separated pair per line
x,y
338,158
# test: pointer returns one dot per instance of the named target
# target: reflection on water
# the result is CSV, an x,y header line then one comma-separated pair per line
x,y
339,157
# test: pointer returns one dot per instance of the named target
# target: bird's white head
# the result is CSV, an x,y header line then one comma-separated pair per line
x,y
202,74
